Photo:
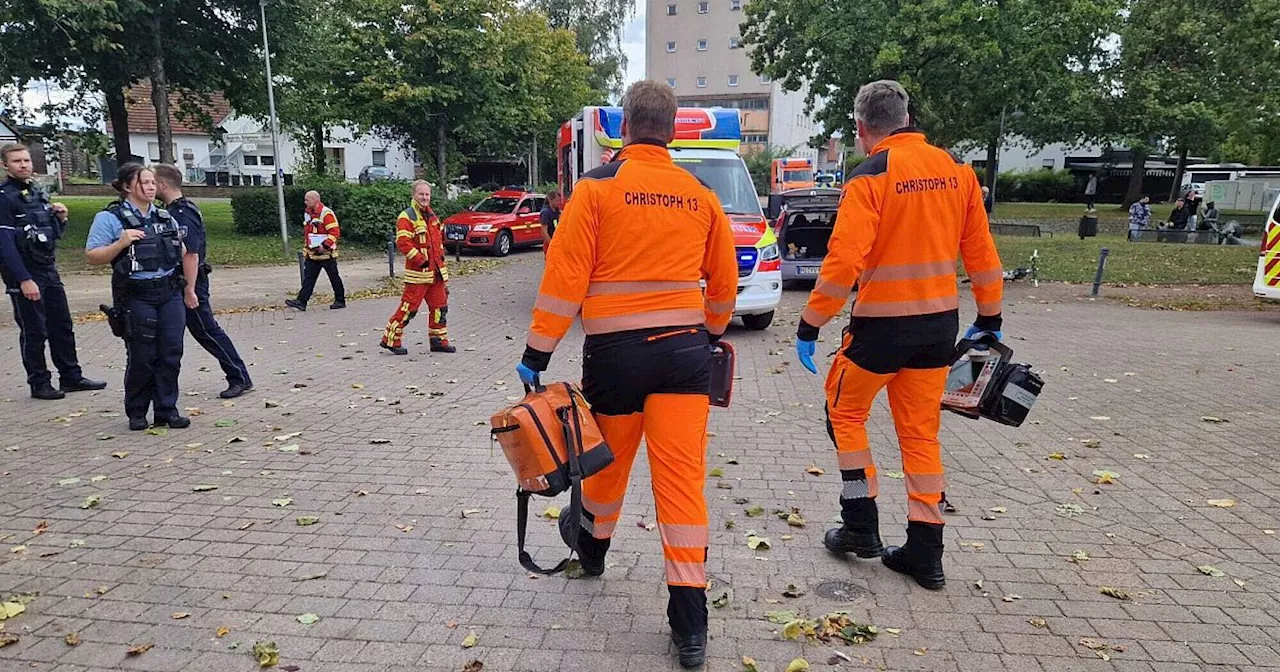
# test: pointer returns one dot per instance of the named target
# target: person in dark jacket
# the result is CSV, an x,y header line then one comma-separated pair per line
x,y
30,227
1181,215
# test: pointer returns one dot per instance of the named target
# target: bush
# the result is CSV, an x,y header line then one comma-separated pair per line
x,y
1036,186
366,212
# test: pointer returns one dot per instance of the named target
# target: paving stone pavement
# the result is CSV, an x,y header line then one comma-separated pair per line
x,y
414,547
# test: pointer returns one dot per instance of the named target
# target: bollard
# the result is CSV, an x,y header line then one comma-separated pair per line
x,y
1102,264
302,272
391,255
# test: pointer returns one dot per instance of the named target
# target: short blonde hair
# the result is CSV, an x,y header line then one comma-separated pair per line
x,y
167,173
418,183
10,148
649,108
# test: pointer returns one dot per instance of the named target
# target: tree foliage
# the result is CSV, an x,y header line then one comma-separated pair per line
x,y
597,26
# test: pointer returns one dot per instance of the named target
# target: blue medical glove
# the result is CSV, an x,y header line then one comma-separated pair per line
x,y
804,352
974,332
527,375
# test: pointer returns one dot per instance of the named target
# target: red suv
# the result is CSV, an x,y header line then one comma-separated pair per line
x,y
507,219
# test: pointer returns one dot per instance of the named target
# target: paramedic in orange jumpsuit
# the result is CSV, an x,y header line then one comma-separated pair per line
x,y
637,237
906,214
420,237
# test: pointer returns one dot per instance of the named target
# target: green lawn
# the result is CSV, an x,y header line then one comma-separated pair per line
x,y
1069,259
226,246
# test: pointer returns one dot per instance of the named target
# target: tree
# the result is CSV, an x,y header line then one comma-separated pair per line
x,y
597,26
962,61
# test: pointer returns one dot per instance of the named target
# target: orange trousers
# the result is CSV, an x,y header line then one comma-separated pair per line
x,y
437,298
674,427
915,397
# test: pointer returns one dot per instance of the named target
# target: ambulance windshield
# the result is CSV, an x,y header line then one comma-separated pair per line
x,y
727,177
798,176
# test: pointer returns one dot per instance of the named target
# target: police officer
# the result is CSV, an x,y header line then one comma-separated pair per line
x,y
550,216
200,320
636,241
144,247
30,227
906,214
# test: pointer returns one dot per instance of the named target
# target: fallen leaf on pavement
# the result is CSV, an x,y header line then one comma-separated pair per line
x,y
41,528
749,664
1238,582
551,513
120,455
179,615
895,474
98,479
473,666
10,609
716,473
1115,592
357,386
754,510
286,437
204,488
6,639
470,640
1079,557
267,653
1011,598
308,520
1105,476
1091,443
156,431
72,639
139,649
1212,419
792,591
798,665
90,502
1210,570
1141,456
20,548
69,481
1100,418
1222,503
283,501
795,520
921,651
1070,510
308,619
1056,456
758,543
815,470
291,448
780,617
721,602
312,577
1037,622
222,632
999,509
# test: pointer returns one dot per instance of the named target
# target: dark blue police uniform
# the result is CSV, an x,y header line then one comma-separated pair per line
x,y
145,282
200,321
29,234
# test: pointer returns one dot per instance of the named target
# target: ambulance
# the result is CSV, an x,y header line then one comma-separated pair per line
x,y
706,145
788,175
1266,284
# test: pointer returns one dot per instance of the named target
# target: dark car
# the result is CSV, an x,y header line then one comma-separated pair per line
x,y
804,226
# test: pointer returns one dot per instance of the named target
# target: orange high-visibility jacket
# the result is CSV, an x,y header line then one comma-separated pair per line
x,y
906,214
632,247
420,238
325,223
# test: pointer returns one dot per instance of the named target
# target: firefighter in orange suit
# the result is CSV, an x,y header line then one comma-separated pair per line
x,y
320,233
420,237
906,214
633,245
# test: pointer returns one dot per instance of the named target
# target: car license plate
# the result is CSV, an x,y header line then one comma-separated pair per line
x,y
808,270
456,236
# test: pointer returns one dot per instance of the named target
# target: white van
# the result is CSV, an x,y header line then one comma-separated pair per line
x,y
1266,283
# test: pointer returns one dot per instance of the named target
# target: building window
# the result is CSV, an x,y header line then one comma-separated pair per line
x,y
733,80
702,82
735,42
702,45
267,160
1048,164
704,7
250,160
671,10
755,139
380,157
735,5
671,82
671,47
764,79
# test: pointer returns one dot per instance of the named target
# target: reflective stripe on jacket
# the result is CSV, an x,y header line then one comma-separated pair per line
x,y
325,223
633,245
420,238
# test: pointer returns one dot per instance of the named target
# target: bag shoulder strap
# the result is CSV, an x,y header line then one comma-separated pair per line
x,y
572,427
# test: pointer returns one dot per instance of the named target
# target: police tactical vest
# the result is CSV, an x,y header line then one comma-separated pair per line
x,y
38,229
159,250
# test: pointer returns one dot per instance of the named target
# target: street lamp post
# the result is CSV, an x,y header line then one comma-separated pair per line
x,y
275,131
1016,114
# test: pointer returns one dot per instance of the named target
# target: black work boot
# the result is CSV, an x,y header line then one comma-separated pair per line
x,y
138,424
921,557
337,305
860,533
442,345
394,349
591,553
687,613
82,385
46,392
296,304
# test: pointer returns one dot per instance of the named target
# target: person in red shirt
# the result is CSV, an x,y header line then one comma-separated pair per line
x,y
320,235
420,237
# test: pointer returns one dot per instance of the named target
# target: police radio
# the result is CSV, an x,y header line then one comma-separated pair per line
x,y
984,382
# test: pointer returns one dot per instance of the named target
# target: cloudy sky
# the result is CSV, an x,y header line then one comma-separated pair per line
x,y
633,44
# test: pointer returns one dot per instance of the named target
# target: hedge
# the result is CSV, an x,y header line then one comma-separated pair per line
x,y
366,212
1037,186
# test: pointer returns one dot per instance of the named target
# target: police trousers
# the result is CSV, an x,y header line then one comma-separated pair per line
x,y
653,384
208,333
154,352
46,320
916,377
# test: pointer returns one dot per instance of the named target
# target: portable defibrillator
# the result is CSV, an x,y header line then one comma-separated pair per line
x,y
984,382
553,443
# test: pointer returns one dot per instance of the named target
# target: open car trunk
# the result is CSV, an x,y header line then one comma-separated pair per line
x,y
805,235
